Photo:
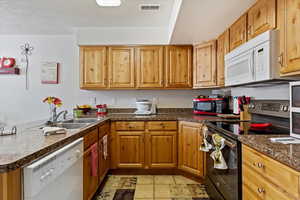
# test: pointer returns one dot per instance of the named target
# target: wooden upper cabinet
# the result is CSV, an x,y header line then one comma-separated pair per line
x,y
261,17
222,50
93,64
238,32
190,158
288,24
150,65
205,72
178,60
121,67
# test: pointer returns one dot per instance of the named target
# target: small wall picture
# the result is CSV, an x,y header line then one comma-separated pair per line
x,y
50,72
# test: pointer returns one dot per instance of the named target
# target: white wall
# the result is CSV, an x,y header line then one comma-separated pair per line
x,y
119,36
280,92
18,105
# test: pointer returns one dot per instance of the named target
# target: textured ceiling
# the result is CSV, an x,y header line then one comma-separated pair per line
x,y
59,16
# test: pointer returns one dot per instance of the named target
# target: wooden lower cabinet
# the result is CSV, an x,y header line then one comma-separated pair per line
x,y
161,149
90,183
267,179
11,185
104,151
144,145
190,158
130,149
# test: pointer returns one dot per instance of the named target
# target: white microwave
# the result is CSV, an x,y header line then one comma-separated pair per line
x,y
254,61
295,109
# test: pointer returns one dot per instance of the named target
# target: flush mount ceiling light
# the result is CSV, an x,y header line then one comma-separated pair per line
x,y
109,3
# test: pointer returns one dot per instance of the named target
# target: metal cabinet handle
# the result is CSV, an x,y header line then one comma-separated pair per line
x,y
280,59
260,165
260,190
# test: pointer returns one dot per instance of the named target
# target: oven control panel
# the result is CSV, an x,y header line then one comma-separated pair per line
x,y
279,108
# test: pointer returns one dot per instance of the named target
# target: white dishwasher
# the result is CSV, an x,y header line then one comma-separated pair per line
x,y
58,176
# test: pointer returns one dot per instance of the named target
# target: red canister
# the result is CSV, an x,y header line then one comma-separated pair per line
x,y
101,109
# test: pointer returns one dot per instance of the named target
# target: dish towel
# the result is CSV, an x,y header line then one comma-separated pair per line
x,y
105,152
205,146
216,155
94,159
54,130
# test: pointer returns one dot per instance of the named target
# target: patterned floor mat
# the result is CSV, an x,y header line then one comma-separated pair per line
x,y
152,188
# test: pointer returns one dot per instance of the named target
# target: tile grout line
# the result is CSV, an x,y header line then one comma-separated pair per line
x,y
153,187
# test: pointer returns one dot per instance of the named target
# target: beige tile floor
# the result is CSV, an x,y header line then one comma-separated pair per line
x,y
152,188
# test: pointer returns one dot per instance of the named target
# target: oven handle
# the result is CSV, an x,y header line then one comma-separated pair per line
x,y
228,143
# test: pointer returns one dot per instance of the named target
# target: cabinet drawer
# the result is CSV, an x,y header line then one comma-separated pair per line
x,y
162,125
130,126
275,172
90,138
258,187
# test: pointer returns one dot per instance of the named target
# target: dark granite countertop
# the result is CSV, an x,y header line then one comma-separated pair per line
x,y
29,144
287,154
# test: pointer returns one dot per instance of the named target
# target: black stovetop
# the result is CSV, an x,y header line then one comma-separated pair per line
x,y
235,129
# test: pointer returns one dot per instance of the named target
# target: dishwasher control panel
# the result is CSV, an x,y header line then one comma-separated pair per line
x,y
44,171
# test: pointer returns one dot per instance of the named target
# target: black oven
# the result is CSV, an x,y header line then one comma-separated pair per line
x,y
224,184
210,106
295,109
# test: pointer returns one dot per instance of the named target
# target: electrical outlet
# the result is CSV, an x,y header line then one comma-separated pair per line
x,y
155,100
113,101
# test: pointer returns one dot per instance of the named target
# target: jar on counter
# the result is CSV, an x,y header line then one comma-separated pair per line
x,y
101,110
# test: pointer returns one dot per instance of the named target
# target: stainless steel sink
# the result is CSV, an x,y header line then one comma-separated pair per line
x,y
83,120
72,125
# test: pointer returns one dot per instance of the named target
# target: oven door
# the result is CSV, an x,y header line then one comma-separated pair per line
x,y
226,182
204,107
295,109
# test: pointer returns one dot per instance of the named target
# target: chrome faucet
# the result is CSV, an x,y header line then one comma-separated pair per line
x,y
54,116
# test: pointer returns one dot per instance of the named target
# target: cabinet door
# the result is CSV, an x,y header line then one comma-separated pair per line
x,y
162,149
90,183
178,66
149,62
190,158
261,17
93,61
11,185
130,149
289,23
205,70
104,158
238,32
121,67
222,50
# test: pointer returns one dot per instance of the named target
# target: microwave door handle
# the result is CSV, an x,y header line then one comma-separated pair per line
x,y
252,62
214,104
